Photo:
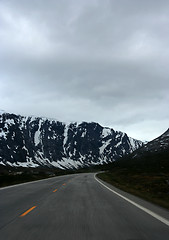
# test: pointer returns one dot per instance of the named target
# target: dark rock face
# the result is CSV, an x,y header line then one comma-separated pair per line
x,y
152,157
158,145
33,142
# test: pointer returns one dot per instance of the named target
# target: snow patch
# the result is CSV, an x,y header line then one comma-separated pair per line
x,y
2,163
10,122
84,133
103,147
118,144
2,134
65,135
37,134
106,132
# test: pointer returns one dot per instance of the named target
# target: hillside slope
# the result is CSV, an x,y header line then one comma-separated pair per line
x,y
145,172
153,156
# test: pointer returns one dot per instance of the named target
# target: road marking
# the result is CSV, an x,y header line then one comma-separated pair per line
x,y
29,210
55,190
158,217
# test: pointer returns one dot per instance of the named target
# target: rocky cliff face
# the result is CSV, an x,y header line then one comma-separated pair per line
x,y
34,141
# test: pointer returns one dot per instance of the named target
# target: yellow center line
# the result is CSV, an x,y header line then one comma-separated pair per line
x,y
29,210
55,190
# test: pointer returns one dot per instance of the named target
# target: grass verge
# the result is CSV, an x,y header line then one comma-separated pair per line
x,y
22,175
153,187
12,176
8,180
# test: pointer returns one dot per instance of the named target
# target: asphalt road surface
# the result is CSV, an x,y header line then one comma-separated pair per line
x,y
78,207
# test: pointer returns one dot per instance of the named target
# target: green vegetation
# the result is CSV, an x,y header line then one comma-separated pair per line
x,y
146,176
150,186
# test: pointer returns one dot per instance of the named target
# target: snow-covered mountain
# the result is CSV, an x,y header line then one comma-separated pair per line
x,y
35,141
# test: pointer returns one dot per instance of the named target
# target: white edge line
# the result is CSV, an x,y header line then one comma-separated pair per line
x,y
158,217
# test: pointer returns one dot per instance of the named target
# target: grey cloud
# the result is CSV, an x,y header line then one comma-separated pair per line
x,y
87,60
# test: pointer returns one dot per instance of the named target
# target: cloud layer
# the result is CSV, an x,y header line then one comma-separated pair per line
x,y
87,60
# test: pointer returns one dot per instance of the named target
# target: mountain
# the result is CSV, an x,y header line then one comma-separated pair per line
x,y
35,141
158,145
153,156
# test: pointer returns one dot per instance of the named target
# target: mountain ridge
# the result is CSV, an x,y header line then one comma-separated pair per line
x,y
36,141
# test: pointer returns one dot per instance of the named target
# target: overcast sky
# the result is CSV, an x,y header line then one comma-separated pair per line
x,y
87,60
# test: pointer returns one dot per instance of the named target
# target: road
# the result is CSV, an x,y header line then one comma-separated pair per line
x,y
77,207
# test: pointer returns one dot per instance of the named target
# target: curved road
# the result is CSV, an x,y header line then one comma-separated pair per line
x,y
77,207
